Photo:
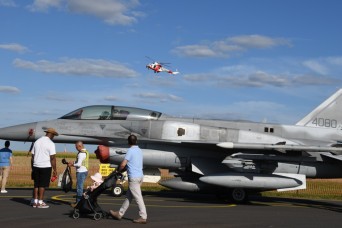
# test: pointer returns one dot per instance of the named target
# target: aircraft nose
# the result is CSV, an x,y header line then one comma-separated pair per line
x,y
23,132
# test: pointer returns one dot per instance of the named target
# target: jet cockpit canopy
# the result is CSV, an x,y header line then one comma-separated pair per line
x,y
109,112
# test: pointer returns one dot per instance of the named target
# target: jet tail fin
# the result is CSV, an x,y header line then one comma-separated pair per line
x,y
327,114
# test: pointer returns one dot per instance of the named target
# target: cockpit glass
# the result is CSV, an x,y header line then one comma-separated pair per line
x,y
74,115
107,112
96,113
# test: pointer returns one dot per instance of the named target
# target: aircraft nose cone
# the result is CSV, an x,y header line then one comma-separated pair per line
x,y
23,132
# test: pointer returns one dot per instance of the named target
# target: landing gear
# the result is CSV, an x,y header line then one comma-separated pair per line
x,y
118,190
238,195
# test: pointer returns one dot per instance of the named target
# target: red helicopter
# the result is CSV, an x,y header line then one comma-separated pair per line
x,y
159,67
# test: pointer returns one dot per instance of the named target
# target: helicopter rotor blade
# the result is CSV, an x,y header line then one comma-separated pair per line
x,y
149,58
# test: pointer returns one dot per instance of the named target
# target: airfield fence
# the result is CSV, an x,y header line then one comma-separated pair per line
x,y
20,176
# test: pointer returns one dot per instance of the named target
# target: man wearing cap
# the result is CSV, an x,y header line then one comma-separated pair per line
x,y
43,161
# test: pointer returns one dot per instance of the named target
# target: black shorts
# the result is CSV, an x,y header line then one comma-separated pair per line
x,y
41,177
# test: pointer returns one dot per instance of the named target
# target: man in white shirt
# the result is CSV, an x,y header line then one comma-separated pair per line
x,y
43,161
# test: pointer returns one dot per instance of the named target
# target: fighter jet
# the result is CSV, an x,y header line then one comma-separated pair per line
x,y
232,158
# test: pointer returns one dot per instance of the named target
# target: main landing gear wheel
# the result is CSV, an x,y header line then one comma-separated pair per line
x,y
238,195
117,190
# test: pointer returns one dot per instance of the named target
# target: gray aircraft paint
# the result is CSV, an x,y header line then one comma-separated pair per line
x,y
205,154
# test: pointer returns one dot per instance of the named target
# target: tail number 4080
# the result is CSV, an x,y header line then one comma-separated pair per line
x,y
322,122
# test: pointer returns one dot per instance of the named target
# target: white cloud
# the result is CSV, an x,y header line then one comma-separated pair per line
x,y
335,61
9,89
250,110
264,111
79,67
111,11
230,45
112,98
14,47
316,67
202,77
249,77
257,79
159,97
56,97
7,3
314,80
257,41
44,5
114,12
196,51
325,65
174,97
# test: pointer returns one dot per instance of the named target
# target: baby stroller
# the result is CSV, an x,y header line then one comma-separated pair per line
x,y
88,203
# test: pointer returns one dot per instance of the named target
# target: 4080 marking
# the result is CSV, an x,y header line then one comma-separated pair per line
x,y
322,122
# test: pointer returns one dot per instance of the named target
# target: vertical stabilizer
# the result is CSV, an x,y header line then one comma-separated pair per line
x,y
326,115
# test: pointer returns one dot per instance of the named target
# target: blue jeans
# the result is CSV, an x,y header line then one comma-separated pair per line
x,y
80,177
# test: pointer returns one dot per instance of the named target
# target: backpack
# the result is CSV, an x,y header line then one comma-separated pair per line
x,y
66,183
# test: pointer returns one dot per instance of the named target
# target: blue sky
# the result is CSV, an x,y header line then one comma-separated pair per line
x,y
266,60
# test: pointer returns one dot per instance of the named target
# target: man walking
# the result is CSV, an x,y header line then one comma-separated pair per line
x,y
5,165
43,161
134,162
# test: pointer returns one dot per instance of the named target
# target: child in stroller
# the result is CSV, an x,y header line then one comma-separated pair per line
x,y
88,203
97,180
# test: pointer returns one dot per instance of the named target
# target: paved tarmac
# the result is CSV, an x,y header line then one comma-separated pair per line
x,y
172,209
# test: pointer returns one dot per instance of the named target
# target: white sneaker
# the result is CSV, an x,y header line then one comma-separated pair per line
x,y
42,205
3,191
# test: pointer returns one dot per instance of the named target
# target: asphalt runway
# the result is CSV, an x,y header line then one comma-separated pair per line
x,y
172,209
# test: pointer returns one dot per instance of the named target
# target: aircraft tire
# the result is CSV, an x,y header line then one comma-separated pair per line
x,y
238,195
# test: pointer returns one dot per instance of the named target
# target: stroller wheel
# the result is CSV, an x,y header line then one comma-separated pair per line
x,y
97,216
118,190
76,214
